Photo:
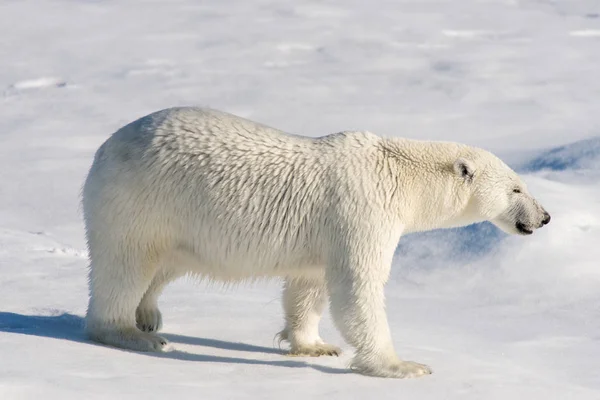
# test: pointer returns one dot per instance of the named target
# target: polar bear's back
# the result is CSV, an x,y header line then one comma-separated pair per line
x,y
195,131
211,151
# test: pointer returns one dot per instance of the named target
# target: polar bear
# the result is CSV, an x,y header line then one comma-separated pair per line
x,y
198,191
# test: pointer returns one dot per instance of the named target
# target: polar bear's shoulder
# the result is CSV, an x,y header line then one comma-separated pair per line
x,y
349,139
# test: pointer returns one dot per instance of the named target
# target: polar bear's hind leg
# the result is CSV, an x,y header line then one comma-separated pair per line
x,y
147,315
303,303
117,285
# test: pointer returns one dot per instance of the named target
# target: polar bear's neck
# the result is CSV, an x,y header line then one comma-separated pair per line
x,y
429,195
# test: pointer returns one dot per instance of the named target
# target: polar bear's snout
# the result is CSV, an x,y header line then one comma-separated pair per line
x,y
524,216
542,216
546,219
525,227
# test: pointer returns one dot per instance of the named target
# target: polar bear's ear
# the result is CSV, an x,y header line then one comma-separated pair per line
x,y
465,169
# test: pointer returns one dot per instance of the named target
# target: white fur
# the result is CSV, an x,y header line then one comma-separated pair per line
x,y
199,191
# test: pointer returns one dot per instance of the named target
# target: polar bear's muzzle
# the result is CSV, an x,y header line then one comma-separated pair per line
x,y
527,229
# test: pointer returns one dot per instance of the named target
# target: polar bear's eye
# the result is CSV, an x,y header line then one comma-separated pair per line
x,y
516,190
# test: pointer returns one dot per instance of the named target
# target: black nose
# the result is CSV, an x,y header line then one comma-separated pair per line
x,y
546,219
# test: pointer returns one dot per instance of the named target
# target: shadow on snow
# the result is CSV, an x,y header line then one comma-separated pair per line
x,y
70,327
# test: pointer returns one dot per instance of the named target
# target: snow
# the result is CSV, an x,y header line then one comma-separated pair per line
x,y
581,155
586,32
496,317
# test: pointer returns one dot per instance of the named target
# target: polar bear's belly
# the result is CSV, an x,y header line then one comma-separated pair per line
x,y
243,265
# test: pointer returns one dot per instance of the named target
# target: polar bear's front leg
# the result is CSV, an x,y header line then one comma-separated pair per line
x,y
303,304
358,310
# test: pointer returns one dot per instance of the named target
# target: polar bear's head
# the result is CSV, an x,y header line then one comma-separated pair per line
x,y
497,194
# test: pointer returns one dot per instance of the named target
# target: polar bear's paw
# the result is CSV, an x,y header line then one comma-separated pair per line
x,y
148,319
315,350
397,369
131,339
302,346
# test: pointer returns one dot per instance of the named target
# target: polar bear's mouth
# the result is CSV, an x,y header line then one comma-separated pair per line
x,y
523,230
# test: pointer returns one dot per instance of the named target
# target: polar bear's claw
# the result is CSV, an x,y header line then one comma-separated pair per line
x,y
129,338
399,369
410,369
316,350
148,319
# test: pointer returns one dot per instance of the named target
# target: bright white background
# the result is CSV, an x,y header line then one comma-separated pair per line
x,y
495,317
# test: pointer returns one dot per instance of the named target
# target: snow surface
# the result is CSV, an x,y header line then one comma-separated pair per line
x,y
496,317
